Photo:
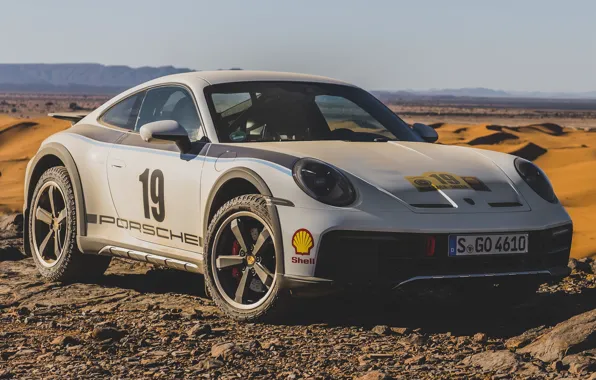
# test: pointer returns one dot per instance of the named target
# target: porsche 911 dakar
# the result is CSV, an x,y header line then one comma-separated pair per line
x,y
276,186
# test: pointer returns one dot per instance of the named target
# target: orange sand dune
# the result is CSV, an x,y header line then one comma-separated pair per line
x,y
19,140
568,156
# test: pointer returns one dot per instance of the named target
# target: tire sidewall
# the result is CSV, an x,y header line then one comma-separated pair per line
x,y
247,204
58,175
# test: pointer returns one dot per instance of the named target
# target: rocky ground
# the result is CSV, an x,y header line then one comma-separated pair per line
x,y
144,322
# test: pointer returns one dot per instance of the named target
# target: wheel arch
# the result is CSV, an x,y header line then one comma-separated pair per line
x,y
52,155
236,182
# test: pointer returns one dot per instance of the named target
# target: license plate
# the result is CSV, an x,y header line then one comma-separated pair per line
x,y
468,245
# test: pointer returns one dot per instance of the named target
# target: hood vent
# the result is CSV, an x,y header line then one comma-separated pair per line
x,y
505,204
431,205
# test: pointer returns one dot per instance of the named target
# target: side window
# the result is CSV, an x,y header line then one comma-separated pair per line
x,y
171,103
124,114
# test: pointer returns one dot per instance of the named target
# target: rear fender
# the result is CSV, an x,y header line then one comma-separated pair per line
x,y
37,166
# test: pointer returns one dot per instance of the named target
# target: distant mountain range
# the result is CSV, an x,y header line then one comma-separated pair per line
x,y
480,92
94,78
89,78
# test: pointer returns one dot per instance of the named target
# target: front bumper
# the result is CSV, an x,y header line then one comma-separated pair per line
x,y
392,260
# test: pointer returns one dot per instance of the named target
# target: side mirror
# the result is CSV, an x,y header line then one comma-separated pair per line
x,y
168,130
427,133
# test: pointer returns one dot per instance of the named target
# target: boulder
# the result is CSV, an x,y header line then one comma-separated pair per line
x,y
11,223
585,265
584,362
381,330
107,332
480,337
199,330
522,340
65,340
494,361
222,350
568,337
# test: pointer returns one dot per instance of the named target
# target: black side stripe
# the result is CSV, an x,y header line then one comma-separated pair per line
x,y
93,132
92,218
199,148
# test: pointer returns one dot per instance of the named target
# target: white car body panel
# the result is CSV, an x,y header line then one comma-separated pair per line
x,y
110,180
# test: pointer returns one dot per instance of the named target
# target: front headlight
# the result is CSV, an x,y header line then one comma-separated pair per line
x,y
323,182
536,179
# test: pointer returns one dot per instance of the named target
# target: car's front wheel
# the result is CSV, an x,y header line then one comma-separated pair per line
x,y
53,230
240,260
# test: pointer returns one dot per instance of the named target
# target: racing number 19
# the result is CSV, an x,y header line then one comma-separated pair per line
x,y
156,183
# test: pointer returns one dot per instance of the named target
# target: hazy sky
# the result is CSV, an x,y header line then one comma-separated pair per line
x,y
512,45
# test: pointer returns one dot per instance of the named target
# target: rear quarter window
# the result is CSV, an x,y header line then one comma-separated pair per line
x,y
124,113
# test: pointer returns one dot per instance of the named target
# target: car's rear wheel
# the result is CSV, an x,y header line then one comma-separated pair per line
x,y
241,260
52,231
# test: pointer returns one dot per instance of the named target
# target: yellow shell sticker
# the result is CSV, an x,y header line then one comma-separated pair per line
x,y
302,241
432,181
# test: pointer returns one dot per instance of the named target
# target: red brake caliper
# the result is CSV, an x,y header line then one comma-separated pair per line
x,y
236,273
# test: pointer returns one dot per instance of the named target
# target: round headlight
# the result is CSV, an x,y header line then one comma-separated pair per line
x,y
323,182
536,179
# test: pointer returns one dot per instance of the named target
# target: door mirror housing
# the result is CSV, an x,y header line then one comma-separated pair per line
x,y
169,130
427,133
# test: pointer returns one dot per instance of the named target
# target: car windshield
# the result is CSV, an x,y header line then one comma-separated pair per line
x,y
297,111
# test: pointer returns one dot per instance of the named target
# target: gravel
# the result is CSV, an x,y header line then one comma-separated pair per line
x,y
140,322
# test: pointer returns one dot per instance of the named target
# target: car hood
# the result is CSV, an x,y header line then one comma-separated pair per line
x,y
423,176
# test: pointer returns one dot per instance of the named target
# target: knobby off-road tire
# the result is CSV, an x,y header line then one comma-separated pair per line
x,y
276,301
67,264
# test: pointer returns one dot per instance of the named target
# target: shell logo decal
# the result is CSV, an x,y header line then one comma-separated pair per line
x,y
302,241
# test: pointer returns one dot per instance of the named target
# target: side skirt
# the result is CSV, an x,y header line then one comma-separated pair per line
x,y
150,258
192,262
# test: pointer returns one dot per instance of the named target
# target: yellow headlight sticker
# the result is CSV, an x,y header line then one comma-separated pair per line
x,y
432,181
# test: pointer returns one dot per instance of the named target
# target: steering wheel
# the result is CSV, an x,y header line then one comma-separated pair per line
x,y
272,133
236,123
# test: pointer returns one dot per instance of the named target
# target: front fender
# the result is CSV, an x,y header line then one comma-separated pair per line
x,y
258,182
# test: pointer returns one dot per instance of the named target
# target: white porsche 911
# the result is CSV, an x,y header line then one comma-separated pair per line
x,y
277,185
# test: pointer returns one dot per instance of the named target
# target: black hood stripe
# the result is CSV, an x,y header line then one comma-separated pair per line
x,y
282,159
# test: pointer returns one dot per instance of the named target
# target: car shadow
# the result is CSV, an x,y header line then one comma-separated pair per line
x,y
11,253
157,280
443,314
448,314
430,314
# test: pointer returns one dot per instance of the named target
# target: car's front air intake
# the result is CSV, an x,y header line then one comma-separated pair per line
x,y
356,257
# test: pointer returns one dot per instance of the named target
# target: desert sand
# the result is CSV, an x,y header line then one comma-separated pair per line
x,y
567,155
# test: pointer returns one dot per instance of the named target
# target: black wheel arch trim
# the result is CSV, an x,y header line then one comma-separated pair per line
x,y
260,184
62,153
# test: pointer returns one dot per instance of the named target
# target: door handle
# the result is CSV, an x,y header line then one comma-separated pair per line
x,y
117,163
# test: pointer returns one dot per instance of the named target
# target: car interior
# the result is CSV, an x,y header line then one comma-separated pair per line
x,y
296,114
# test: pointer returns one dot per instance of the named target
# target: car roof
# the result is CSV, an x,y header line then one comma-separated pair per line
x,y
202,79
230,76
